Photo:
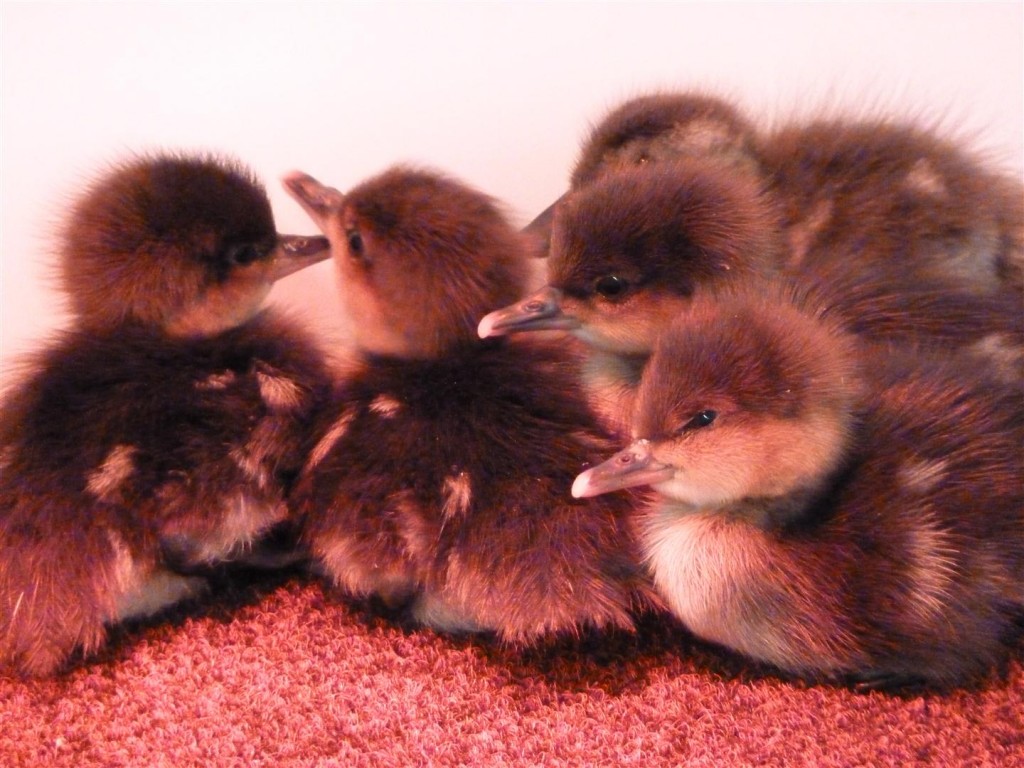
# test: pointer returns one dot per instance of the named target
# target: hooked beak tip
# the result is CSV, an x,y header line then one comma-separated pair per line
x,y
581,486
487,328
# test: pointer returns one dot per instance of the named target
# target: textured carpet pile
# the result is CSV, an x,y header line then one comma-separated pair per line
x,y
281,674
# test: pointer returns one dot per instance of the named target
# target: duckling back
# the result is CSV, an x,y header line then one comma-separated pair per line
x,y
884,195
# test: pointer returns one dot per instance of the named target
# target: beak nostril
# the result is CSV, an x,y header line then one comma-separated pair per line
x,y
534,306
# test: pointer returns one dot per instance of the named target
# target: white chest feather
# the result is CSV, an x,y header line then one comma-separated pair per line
x,y
732,583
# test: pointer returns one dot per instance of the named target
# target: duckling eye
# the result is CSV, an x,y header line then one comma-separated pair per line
x,y
356,246
643,159
611,286
241,254
702,419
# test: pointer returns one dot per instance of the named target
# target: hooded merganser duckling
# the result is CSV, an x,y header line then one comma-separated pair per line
x,y
440,482
655,128
827,506
629,250
158,435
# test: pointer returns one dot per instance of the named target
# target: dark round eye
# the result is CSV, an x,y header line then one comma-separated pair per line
x,y
643,159
611,286
240,254
355,244
702,419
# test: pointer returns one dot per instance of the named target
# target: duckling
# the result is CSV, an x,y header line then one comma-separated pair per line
x,y
653,128
440,481
630,249
158,435
834,508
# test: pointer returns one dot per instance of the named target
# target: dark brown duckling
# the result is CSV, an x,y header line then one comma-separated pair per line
x,y
441,478
632,248
160,433
654,128
833,508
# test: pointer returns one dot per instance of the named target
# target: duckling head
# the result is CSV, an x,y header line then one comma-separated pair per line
x,y
631,250
655,128
183,243
420,257
745,404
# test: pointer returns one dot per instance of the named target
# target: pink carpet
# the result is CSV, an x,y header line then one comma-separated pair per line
x,y
283,675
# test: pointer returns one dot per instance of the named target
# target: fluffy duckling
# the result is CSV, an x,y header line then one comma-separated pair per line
x,y
632,248
160,433
654,128
440,482
832,509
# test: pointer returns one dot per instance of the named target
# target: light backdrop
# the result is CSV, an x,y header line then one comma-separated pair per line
x,y
499,94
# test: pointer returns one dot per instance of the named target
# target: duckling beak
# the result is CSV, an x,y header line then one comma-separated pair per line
x,y
540,312
316,199
295,252
630,467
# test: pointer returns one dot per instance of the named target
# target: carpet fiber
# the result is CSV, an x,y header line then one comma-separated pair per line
x,y
278,673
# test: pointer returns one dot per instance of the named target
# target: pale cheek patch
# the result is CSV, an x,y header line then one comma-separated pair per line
x,y
385,405
458,494
105,481
704,136
220,309
631,327
251,463
337,431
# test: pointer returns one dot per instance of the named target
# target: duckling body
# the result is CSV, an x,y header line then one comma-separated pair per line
x,y
158,435
440,480
884,195
832,508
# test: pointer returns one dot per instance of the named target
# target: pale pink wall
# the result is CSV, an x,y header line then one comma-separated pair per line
x,y
499,94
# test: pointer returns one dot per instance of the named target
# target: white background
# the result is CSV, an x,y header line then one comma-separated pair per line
x,y
499,94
